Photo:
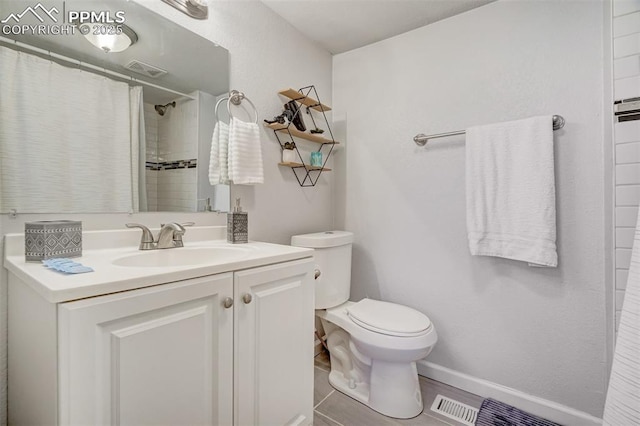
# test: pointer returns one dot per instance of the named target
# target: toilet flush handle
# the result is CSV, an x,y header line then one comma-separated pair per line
x,y
317,273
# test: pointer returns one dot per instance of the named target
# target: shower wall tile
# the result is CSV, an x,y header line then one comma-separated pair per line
x,y
177,189
178,131
623,258
626,88
626,24
626,67
627,174
151,131
628,131
619,297
628,153
624,237
627,45
621,278
624,7
172,137
626,216
628,195
152,190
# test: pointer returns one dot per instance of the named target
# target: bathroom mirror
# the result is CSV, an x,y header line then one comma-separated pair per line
x,y
182,75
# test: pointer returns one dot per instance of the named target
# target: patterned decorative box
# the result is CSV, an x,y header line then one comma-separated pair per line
x,y
237,227
55,238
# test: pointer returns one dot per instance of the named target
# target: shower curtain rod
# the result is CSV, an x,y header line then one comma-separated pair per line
x,y
88,65
422,139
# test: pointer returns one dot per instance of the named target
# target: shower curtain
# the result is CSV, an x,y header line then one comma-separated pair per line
x,y
622,406
138,151
65,138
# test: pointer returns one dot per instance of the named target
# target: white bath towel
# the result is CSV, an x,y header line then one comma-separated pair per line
x,y
622,406
511,206
219,158
245,153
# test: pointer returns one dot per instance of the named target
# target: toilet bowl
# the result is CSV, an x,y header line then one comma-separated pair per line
x,y
377,367
374,345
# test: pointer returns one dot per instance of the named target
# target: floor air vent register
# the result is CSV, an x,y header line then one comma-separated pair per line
x,y
456,410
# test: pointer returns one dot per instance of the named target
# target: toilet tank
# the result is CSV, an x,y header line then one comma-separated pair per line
x,y
333,260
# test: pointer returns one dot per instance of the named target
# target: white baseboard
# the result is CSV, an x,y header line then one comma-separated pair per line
x,y
538,406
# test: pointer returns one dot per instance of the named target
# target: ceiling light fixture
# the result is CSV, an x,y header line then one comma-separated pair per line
x,y
197,9
109,43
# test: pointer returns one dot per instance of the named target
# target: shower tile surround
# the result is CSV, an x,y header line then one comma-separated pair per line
x,y
172,151
626,141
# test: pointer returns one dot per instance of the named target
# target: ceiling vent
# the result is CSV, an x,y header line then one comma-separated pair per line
x,y
145,69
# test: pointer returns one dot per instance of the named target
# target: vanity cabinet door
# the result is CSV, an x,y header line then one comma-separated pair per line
x,y
158,355
274,317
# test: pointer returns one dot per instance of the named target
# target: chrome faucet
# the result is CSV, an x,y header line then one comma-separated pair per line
x,y
170,236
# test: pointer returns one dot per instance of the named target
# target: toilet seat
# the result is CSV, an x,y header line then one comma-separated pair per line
x,y
379,345
388,318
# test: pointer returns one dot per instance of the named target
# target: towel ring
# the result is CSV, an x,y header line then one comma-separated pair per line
x,y
217,105
236,98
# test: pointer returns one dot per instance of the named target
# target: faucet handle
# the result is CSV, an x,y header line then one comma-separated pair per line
x,y
177,235
146,242
173,230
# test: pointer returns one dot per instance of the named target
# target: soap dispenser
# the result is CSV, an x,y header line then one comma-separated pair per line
x,y
237,225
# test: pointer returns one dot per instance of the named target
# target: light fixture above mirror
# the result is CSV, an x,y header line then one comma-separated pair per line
x,y
116,41
197,9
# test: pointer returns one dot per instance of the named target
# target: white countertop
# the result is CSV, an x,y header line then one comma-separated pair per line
x,y
100,248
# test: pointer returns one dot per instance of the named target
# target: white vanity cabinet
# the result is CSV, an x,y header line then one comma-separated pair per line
x,y
158,355
274,314
174,354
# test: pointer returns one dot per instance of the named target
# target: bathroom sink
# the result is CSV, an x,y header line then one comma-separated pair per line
x,y
186,256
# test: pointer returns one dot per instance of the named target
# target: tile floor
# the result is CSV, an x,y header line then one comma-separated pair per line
x,y
333,408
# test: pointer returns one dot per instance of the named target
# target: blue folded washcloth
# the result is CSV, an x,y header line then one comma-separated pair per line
x,y
66,266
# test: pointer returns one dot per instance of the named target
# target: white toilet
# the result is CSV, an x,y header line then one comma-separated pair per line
x,y
374,345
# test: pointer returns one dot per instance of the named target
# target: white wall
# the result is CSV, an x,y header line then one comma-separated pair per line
x,y
266,55
539,331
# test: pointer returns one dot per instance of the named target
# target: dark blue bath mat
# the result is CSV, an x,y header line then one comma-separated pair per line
x,y
496,413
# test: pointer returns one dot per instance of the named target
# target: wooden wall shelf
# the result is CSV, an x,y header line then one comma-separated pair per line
x,y
304,100
306,174
306,166
297,133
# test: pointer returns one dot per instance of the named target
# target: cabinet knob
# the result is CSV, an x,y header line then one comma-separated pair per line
x,y
246,298
227,302
317,274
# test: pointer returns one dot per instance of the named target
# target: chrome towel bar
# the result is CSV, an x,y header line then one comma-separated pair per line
x,y
422,139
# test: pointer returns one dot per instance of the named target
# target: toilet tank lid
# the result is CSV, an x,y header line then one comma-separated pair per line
x,y
322,239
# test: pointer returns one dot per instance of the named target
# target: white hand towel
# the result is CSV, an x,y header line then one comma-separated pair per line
x,y
219,158
510,184
245,153
622,406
